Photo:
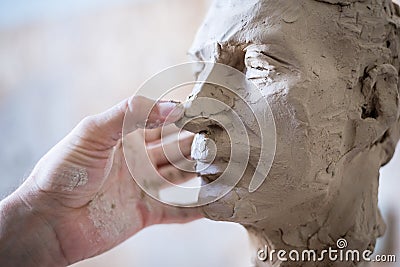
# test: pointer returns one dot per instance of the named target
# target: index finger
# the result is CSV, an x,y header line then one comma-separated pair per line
x,y
143,112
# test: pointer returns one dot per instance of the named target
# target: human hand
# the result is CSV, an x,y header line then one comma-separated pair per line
x,y
80,200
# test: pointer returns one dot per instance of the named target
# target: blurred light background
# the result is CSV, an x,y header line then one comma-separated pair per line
x,y
63,60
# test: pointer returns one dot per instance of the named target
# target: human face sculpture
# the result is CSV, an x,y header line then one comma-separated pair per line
x,y
329,72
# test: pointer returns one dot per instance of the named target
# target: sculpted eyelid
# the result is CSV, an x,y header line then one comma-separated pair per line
x,y
277,59
272,54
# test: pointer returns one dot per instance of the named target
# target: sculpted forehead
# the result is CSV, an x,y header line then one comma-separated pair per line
x,y
225,21
266,21
295,29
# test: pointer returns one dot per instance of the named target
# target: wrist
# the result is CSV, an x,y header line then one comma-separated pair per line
x,y
26,238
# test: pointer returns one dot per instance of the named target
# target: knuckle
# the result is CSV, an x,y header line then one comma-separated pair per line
x,y
87,126
137,101
89,122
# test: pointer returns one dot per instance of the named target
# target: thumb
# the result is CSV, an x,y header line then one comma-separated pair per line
x,y
127,116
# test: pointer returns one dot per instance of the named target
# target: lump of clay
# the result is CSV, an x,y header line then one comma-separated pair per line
x,y
329,70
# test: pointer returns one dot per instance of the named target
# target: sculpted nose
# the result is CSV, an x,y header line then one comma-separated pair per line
x,y
208,102
226,109
206,114
213,94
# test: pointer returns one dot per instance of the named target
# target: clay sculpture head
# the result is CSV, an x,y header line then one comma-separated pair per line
x,y
329,70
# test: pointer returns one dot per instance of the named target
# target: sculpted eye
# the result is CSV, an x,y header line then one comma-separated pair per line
x,y
257,64
263,65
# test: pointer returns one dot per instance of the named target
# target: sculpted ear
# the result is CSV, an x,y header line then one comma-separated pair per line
x,y
381,93
379,106
381,110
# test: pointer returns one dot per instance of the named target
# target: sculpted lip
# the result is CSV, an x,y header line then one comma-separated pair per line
x,y
210,159
203,148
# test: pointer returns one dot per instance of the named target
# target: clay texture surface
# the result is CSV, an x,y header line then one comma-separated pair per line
x,y
329,70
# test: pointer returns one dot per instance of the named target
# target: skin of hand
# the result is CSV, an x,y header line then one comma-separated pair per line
x,y
80,200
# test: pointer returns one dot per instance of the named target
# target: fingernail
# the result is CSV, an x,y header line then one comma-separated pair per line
x,y
171,111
